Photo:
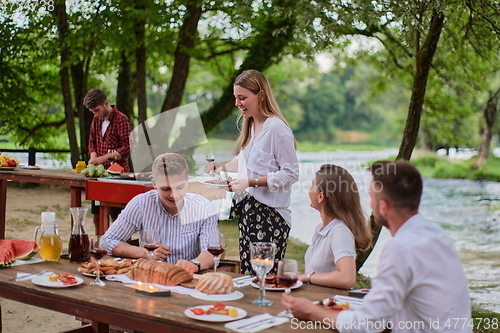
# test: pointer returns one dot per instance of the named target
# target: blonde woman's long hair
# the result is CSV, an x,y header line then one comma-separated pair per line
x,y
255,81
342,201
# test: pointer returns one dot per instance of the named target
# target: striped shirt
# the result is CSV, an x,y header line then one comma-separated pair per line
x,y
187,233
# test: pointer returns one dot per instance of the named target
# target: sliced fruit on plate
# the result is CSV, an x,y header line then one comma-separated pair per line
x,y
67,278
216,308
115,169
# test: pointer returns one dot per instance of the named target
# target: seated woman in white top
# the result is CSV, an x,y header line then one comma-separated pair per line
x,y
331,259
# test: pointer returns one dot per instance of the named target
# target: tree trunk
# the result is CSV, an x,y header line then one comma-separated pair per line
x,y
140,58
79,76
125,87
362,256
62,25
490,115
86,117
187,36
423,62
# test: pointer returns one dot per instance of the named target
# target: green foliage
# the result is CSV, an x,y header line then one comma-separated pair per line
x,y
367,89
362,282
326,146
439,167
484,320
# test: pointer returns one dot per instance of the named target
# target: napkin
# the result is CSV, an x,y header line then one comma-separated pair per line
x,y
256,323
21,276
124,279
243,281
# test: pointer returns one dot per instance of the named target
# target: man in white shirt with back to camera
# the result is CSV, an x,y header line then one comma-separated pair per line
x,y
420,285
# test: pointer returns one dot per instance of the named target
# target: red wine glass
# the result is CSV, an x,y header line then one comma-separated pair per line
x,y
288,276
216,246
97,251
150,240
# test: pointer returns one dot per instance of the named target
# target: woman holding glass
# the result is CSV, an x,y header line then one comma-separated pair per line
x,y
330,260
267,167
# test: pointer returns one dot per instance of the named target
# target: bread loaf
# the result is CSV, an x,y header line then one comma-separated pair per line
x,y
215,283
152,271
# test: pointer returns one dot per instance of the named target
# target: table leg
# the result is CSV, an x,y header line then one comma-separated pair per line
x,y
3,209
100,327
103,220
76,196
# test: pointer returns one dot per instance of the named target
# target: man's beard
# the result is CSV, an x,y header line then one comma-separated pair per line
x,y
380,220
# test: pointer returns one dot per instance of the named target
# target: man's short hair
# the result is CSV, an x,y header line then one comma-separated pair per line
x,y
397,182
169,164
94,98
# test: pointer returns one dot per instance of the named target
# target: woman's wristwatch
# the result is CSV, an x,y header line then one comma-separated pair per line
x,y
308,275
256,184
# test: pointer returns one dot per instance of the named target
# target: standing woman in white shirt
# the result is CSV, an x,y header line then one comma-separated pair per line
x,y
330,260
267,167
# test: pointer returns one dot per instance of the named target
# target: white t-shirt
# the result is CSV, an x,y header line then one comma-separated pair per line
x,y
105,125
328,245
420,287
271,153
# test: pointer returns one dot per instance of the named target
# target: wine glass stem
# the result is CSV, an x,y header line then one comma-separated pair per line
x,y
262,280
98,266
216,262
288,290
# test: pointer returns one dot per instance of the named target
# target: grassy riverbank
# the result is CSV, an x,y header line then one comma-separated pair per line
x,y
434,166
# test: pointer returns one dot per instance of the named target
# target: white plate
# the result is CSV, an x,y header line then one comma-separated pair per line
x,y
217,297
44,281
295,286
214,317
32,167
102,276
354,302
204,182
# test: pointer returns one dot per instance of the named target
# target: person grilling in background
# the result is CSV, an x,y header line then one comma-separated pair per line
x,y
109,139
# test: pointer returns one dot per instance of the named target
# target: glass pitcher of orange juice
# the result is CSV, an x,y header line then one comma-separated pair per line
x,y
47,237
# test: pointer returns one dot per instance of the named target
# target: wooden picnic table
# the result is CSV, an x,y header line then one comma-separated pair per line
x,y
115,304
69,178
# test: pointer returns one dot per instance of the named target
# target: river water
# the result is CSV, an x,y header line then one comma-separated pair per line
x,y
469,211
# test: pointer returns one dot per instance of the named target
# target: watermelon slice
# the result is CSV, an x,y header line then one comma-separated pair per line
x,y
115,169
6,253
10,250
24,249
